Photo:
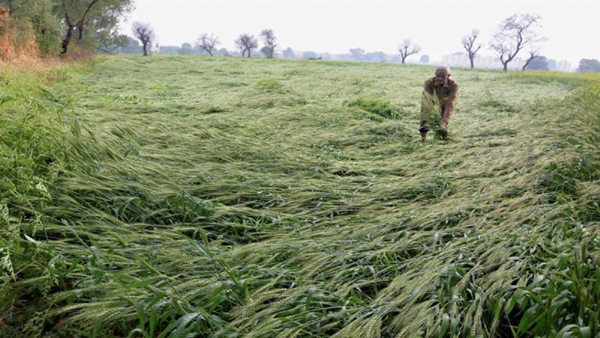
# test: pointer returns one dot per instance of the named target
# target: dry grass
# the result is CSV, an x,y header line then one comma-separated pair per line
x,y
17,45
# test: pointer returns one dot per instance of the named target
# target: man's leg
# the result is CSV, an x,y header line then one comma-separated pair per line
x,y
423,129
424,115
443,113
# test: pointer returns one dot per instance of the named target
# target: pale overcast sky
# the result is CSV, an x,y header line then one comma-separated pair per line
x,y
571,26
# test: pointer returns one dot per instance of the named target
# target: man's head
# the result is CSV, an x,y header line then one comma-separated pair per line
x,y
441,74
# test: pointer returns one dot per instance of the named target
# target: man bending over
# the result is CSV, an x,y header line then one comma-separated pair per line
x,y
439,97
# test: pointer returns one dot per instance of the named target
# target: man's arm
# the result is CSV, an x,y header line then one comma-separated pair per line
x,y
426,97
428,86
450,102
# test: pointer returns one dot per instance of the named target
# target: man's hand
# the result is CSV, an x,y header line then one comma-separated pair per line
x,y
448,112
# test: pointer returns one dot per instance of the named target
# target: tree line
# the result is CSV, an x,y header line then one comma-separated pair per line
x,y
55,26
516,35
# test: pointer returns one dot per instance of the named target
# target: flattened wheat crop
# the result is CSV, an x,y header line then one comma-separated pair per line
x,y
229,197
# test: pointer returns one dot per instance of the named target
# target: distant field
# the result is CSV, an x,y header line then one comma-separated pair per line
x,y
229,197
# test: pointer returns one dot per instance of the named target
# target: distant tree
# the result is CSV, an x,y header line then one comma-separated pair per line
x,y
469,45
515,33
424,58
552,64
265,51
103,22
171,50
223,52
131,47
109,41
309,55
539,63
357,53
186,49
145,33
532,55
268,37
407,49
375,56
246,43
289,53
208,43
589,65
395,58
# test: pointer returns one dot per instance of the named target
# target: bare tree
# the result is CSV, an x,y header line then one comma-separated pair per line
x,y
532,55
407,49
268,37
246,43
145,33
208,43
469,45
514,34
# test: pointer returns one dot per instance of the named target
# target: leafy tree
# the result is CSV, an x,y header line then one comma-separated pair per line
x,y
589,65
424,58
171,50
289,53
16,6
56,24
186,49
310,55
102,27
109,41
357,53
36,16
132,46
223,52
532,55
375,56
539,62
76,14
266,51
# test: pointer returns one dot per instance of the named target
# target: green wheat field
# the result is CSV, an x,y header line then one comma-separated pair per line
x,y
227,197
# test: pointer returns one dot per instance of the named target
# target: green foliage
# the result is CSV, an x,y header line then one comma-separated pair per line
x,y
152,198
269,85
45,19
589,65
377,106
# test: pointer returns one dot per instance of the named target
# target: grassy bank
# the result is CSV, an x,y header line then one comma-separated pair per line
x,y
166,196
